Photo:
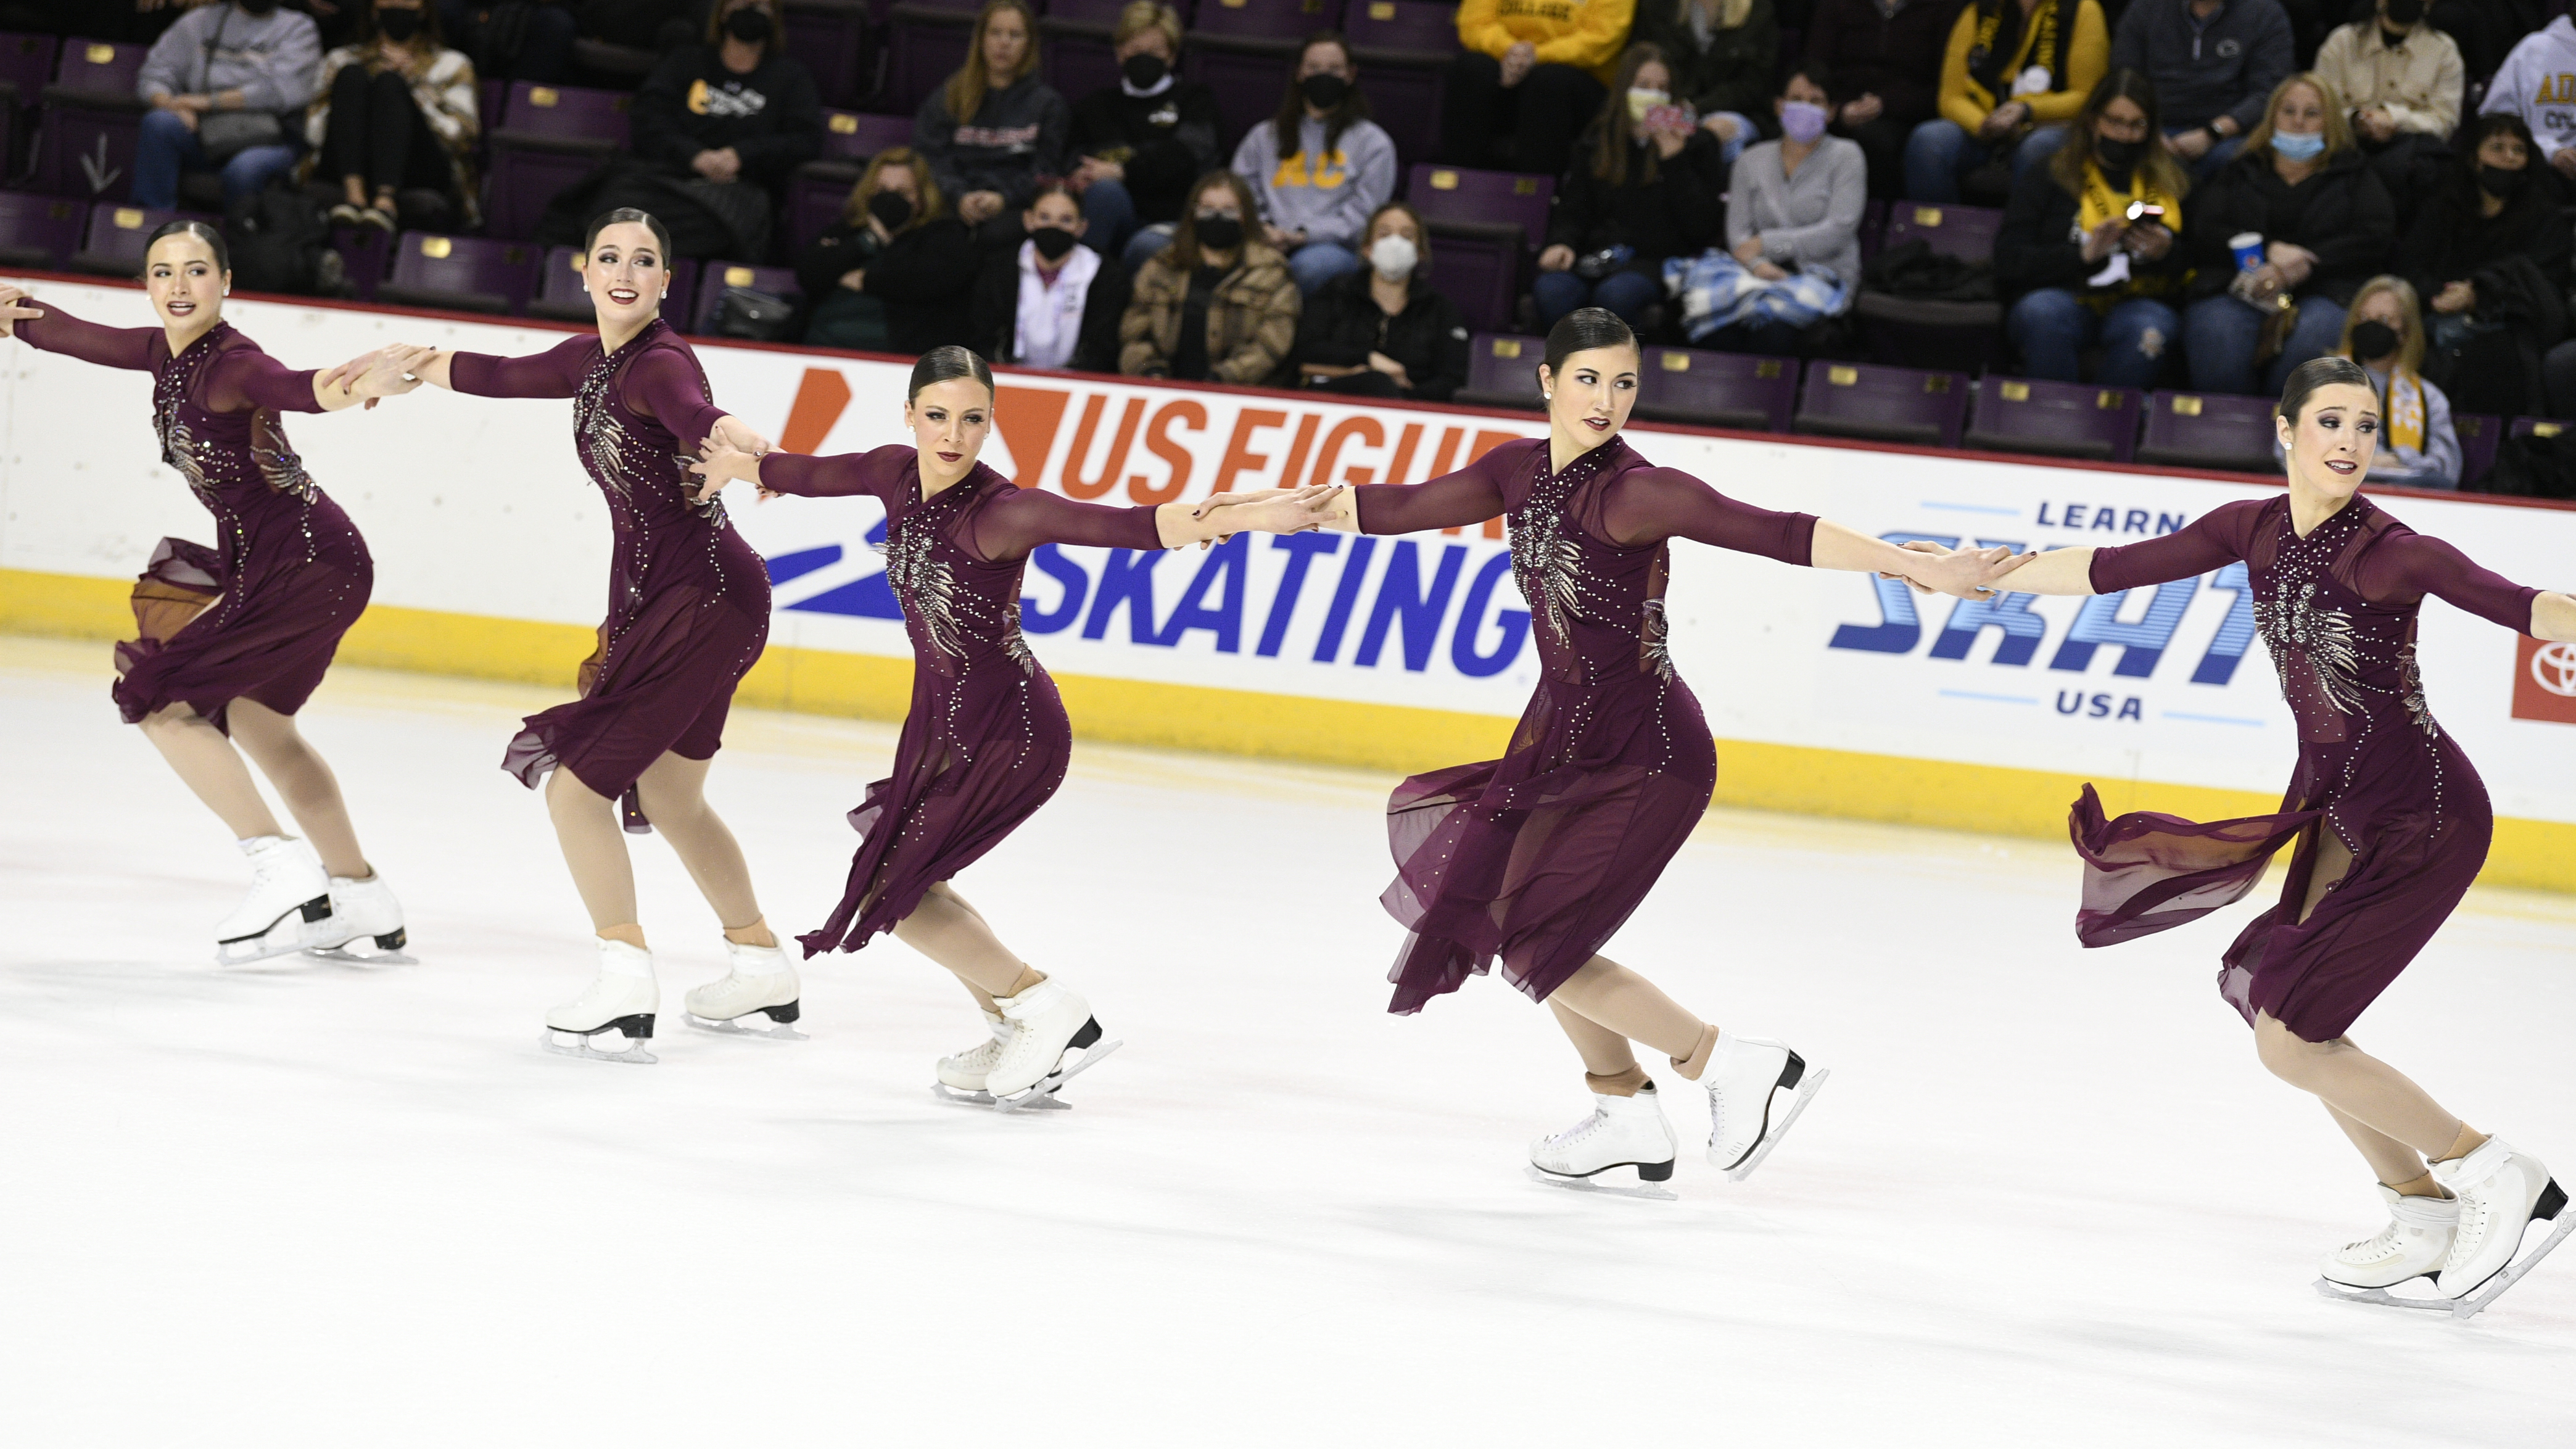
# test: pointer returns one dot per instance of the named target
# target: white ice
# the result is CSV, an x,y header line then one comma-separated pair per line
x,y
2048,1197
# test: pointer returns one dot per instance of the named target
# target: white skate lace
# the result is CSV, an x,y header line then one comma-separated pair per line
x,y
2364,1249
1579,1130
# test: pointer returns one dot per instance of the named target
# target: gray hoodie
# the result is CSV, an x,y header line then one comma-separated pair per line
x,y
274,60
1330,201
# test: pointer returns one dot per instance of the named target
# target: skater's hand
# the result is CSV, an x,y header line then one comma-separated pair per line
x,y
738,434
14,309
719,463
384,373
1269,510
1961,573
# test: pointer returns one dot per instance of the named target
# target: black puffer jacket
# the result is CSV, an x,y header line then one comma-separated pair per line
x,y
924,277
1343,324
1732,74
2343,215
1677,213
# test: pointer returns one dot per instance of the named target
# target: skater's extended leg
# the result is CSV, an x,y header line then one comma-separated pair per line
x,y
2367,1090
2398,1167
949,931
674,799
594,849
210,767
1610,995
304,781
1037,1023
1740,1073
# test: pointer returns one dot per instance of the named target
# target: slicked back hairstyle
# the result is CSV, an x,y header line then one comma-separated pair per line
x,y
621,216
947,364
2316,373
213,239
1582,330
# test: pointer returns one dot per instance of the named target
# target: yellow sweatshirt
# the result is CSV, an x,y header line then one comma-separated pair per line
x,y
1966,104
1585,34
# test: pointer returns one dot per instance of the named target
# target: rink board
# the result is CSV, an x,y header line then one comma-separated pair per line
x,y
1828,693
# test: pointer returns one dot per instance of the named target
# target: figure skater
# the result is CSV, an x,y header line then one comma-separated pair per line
x,y
231,640
2389,819
688,611
985,741
1538,857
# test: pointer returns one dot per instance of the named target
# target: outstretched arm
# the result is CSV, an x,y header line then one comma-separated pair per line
x,y
879,473
2214,540
1011,527
246,379
1452,500
555,372
50,329
2406,566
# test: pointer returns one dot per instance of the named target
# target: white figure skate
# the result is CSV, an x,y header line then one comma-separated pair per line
x,y
758,997
1744,1072
363,910
2501,1193
1621,1132
2415,1244
1048,1026
289,899
620,1004
961,1077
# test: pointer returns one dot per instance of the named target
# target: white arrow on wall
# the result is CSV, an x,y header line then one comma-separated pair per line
x,y
94,166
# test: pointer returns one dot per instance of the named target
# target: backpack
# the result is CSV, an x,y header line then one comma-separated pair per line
x,y
279,237
2533,467
753,315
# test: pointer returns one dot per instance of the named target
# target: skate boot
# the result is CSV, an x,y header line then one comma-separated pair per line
x,y
2415,1243
2500,1192
617,1009
1621,1132
1049,1025
362,910
757,998
961,1077
289,898
1743,1074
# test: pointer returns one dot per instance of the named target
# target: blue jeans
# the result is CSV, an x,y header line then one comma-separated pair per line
x,y
1148,240
1627,293
1316,263
1940,152
2220,334
2216,156
164,146
2050,327
1109,217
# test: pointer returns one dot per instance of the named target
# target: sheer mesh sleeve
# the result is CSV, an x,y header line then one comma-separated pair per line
x,y
555,372
2402,568
2214,540
880,473
58,331
1017,520
1649,505
246,378
665,385
1453,500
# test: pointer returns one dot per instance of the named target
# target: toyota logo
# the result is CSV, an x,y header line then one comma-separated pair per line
x,y
2553,668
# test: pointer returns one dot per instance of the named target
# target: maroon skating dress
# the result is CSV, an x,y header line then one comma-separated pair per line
x,y
1538,857
688,600
2337,610
985,741
288,573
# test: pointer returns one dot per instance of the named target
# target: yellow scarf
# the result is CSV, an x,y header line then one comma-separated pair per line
x,y
2100,203
2405,410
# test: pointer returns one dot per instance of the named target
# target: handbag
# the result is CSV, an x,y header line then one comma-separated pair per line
x,y
226,134
752,315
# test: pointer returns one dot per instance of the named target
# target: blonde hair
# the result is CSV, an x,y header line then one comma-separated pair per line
x,y
1143,15
2410,325
967,88
2338,130
854,212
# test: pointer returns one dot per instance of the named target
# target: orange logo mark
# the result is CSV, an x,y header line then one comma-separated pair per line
x,y
821,397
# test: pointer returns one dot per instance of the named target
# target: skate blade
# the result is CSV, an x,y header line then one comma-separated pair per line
x,y
955,1098
346,957
283,939
775,1031
1648,1191
2346,1293
1811,1084
2471,1304
637,1055
1054,1081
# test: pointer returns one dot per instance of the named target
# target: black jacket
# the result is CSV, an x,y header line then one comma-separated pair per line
x,y
1164,141
2346,219
1017,135
1732,74
993,313
924,277
2037,248
2452,242
771,117
1342,324
2228,67
1895,58
1678,213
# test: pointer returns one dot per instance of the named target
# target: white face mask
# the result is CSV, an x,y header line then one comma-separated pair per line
x,y
1393,257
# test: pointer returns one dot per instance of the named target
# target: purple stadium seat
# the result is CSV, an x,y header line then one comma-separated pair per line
x,y
925,44
1403,49
856,136
1873,229
1965,232
460,273
561,298
777,281
1484,228
1415,25
365,256
39,233
26,68
1919,329
2539,427
1883,404
97,67
1074,49
550,137
831,37
2061,419
566,113
815,197
1718,389
1502,372
85,143
1244,49
2209,430
119,234
2480,434
1458,194
1267,19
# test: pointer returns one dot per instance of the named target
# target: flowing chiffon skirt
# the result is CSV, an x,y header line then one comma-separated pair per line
x,y
268,638
664,684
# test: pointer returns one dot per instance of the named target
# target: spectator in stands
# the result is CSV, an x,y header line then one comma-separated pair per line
x,y
659,26
895,274
1722,54
2077,268
1528,78
995,128
220,83
515,40
2488,30
2214,62
1320,167
2418,447
2403,80
1217,305
1647,184
2015,73
2532,83
1142,141
1384,332
1051,302
2325,224
1795,204
2486,213
398,112
1885,56
718,127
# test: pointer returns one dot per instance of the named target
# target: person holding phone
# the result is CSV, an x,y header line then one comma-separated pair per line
x,y
1647,183
2087,252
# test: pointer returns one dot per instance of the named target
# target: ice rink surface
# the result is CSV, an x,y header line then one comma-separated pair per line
x,y
2047,1198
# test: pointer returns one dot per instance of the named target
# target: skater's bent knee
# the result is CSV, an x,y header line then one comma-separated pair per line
x,y
2285,1055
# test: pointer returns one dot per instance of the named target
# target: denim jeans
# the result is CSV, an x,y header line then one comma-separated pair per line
x,y
1628,294
1316,263
2051,327
1108,216
2220,333
164,146
1148,240
1940,152
2219,154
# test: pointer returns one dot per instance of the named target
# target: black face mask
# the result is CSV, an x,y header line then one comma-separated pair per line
x,y
2404,13
750,25
1323,92
1054,242
2502,184
1144,72
398,26
1218,232
2372,341
2120,156
891,207
258,7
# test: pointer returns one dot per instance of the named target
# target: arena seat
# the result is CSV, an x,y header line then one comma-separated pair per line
x,y
2060,419
925,44
39,233
1074,48
1243,50
117,236
831,37
549,138
2209,430
1502,372
2480,435
712,281
1923,329
1718,389
1404,49
460,273
1484,227
85,141
1883,404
